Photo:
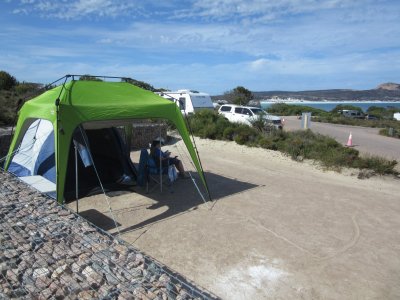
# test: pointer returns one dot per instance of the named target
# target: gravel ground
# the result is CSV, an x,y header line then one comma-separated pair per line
x,y
48,252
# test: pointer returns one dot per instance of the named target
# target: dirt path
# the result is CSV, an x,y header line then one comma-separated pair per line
x,y
278,229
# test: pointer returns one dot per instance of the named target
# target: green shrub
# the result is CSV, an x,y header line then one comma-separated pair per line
x,y
377,164
245,135
7,81
283,109
393,132
228,133
267,143
208,124
8,104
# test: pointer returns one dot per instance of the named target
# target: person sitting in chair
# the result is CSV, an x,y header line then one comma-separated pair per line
x,y
166,159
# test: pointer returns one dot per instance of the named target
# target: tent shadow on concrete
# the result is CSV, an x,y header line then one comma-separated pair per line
x,y
183,197
99,219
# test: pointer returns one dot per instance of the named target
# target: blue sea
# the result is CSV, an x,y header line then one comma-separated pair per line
x,y
328,106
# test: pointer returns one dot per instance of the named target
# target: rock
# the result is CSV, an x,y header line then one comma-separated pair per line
x,y
126,296
151,295
88,272
88,295
45,294
12,275
122,249
112,279
42,282
60,294
54,286
163,281
40,272
58,254
10,253
3,266
57,272
63,213
77,267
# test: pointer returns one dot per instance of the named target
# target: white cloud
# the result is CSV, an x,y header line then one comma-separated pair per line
x,y
226,10
259,64
78,9
260,10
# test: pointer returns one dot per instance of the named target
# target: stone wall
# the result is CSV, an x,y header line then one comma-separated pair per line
x,y
49,252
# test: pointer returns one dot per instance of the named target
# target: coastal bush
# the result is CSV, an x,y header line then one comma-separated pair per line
x,y
283,109
7,81
267,143
208,124
12,94
8,104
391,132
377,164
299,145
383,113
246,135
331,154
228,133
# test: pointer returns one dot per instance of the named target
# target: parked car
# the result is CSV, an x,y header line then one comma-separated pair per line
x,y
371,117
248,114
350,113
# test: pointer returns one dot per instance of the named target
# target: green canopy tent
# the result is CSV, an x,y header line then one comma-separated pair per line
x,y
73,105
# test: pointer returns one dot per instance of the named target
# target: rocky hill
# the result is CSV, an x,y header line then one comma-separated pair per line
x,y
390,86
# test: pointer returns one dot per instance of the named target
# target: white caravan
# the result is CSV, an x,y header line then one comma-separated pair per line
x,y
189,101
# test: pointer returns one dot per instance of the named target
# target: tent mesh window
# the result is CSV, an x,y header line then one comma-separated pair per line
x,y
47,251
145,132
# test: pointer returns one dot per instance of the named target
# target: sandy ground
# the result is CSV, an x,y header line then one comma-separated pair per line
x,y
276,229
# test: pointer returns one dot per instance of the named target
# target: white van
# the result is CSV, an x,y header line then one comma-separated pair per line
x,y
247,115
189,101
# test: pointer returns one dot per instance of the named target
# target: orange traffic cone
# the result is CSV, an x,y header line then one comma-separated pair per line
x,y
350,141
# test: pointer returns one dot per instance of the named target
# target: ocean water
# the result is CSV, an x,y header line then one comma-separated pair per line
x,y
328,106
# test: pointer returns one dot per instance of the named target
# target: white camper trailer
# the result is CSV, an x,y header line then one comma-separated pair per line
x,y
189,101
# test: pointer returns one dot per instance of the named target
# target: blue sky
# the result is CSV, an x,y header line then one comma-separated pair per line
x,y
207,45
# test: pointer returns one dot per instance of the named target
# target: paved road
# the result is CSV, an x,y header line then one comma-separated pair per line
x,y
366,140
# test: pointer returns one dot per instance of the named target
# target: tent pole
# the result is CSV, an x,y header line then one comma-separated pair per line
x,y
197,152
160,138
201,195
76,179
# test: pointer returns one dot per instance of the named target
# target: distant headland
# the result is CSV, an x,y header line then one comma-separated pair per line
x,y
384,92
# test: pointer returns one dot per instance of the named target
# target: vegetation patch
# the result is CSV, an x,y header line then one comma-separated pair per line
x,y
283,109
298,145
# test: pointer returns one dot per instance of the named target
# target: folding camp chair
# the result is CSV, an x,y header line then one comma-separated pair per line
x,y
149,171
